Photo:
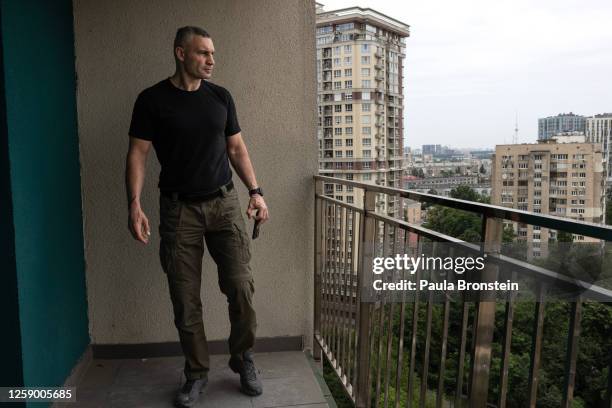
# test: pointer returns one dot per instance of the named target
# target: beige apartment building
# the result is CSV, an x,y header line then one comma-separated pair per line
x,y
599,131
360,54
561,179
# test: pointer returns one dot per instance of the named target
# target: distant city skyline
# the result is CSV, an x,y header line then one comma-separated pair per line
x,y
472,67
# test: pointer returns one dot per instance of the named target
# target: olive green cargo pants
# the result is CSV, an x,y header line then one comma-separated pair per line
x,y
183,226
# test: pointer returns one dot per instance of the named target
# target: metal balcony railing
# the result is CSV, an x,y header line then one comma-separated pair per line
x,y
350,332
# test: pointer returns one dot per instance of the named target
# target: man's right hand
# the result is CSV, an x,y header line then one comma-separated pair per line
x,y
138,223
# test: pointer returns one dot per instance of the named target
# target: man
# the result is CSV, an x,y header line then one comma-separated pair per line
x,y
193,126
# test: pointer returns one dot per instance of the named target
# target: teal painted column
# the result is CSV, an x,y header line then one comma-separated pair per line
x,y
10,344
43,192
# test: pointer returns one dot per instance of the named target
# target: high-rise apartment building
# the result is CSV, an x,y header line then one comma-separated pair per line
x,y
599,131
562,123
432,149
561,179
360,54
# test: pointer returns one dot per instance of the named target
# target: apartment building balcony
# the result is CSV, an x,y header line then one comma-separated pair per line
x,y
84,304
374,367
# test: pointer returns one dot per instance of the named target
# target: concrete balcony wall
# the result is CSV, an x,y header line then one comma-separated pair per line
x,y
265,56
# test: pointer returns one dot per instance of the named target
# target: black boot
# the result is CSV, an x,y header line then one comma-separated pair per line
x,y
249,381
190,392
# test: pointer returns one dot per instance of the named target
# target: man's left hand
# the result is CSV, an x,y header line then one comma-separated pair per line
x,y
257,209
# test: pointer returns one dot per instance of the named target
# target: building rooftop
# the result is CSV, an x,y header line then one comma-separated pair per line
x,y
366,15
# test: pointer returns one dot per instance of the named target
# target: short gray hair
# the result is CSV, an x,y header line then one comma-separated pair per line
x,y
184,32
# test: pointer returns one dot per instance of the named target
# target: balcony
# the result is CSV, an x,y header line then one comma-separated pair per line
x,y
152,382
375,368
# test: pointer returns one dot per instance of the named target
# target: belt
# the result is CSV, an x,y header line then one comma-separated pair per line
x,y
198,197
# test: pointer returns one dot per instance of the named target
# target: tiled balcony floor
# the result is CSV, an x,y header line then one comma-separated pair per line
x,y
288,380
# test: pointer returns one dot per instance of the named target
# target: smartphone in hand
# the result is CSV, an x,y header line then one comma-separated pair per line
x,y
255,229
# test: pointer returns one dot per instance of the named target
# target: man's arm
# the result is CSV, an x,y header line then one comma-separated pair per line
x,y
136,160
241,162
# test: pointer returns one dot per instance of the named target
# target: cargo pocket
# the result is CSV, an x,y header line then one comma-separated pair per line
x,y
243,243
170,220
167,253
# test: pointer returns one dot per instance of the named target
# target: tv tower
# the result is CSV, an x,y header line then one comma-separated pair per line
x,y
515,137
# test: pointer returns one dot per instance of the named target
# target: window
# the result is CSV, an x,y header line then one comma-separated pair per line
x,y
337,84
339,154
348,48
348,72
337,73
337,50
349,176
338,120
365,48
366,83
366,165
365,72
366,130
365,119
337,61
366,153
348,61
349,165
349,153
348,84
337,131
365,96
348,119
367,142
337,108
345,26
339,198
348,131
349,199
365,107
348,107
348,142
367,177
338,142
365,60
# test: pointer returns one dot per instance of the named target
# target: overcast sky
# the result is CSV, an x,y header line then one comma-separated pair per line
x,y
472,65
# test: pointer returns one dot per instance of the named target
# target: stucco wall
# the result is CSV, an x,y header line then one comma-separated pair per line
x,y
265,56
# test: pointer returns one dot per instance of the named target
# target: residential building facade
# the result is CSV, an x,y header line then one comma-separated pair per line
x,y
360,57
562,123
561,179
599,131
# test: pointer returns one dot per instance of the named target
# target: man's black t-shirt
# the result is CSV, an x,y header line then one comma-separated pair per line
x,y
188,130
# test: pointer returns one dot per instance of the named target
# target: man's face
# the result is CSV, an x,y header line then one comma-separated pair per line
x,y
197,56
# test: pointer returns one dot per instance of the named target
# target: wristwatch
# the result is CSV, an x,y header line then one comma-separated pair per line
x,y
256,190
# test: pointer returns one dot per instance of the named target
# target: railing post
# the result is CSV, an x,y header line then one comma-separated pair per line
x,y
318,254
485,317
367,230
